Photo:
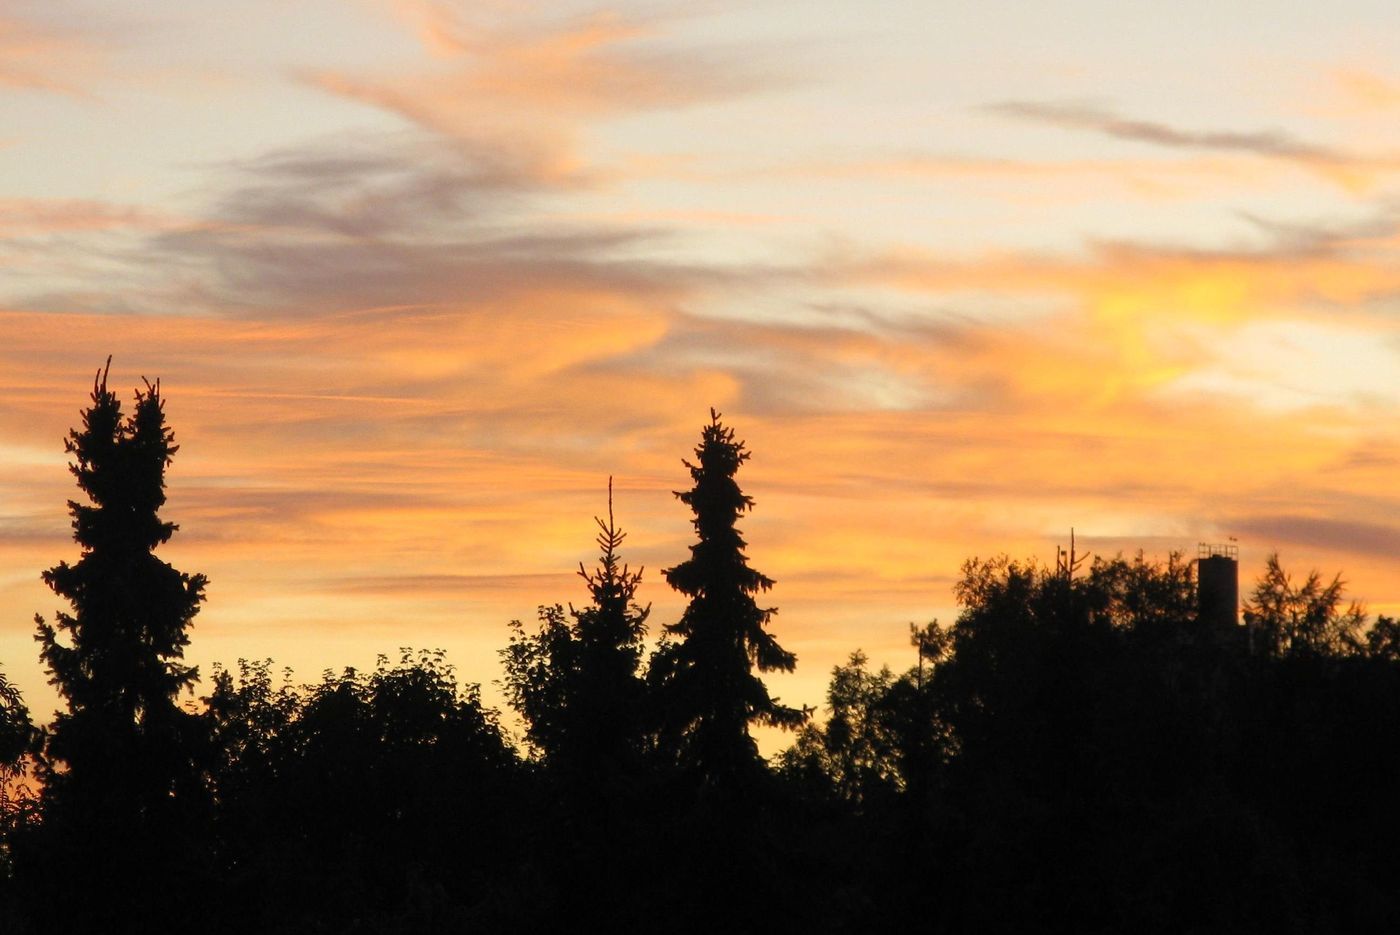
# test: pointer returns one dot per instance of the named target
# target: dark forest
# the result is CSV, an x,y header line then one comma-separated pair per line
x,y
1097,744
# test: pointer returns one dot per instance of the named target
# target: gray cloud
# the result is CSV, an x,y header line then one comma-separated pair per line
x,y
837,363
1077,116
378,220
352,222
299,277
1372,455
362,185
1327,236
1342,535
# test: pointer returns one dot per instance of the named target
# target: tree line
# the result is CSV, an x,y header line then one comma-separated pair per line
x,y
1082,749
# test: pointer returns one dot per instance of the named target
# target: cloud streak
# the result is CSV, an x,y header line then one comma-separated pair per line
x,y
34,58
363,221
1085,117
1346,536
28,217
531,86
1348,168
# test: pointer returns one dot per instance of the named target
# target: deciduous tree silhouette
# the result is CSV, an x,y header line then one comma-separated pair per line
x,y
1100,760
1302,620
343,802
1383,639
708,690
119,759
18,738
853,757
19,741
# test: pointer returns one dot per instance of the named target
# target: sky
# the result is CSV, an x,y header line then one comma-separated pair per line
x,y
419,276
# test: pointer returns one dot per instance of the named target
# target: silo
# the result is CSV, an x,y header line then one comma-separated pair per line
x,y
1218,586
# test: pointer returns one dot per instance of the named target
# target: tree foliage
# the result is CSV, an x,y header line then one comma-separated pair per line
x,y
116,658
1079,748
20,740
336,800
1307,619
709,692
853,757
575,679
121,763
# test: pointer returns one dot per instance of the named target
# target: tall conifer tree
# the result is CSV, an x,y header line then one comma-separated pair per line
x,y
710,693
120,758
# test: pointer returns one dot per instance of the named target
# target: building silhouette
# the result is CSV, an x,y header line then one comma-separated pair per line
x,y
1218,587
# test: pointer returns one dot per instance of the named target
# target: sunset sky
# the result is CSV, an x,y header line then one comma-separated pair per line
x,y
418,276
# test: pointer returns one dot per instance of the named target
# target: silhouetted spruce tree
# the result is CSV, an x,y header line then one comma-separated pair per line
x,y
120,758
576,683
708,691
610,633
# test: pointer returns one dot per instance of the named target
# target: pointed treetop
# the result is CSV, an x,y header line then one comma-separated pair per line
x,y
610,581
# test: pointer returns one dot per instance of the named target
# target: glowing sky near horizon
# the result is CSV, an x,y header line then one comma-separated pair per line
x,y
419,275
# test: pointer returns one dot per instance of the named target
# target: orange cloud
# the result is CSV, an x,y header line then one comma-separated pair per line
x,y
1122,280
1368,88
36,59
1062,181
421,474
573,70
529,86
20,217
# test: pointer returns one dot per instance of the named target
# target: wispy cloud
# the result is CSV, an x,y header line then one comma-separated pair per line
x,y
38,58
529,85
1087,117
1368,88
591,64
1128,280
1346,167
361,221
1043,181
1340,535
26,217
1378,227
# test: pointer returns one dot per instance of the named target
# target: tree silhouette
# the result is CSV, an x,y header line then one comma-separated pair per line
x,y
576,683
119,759
342,803
19,741
1302,620
1383,639
1080,750
709,691
855,754
18,738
